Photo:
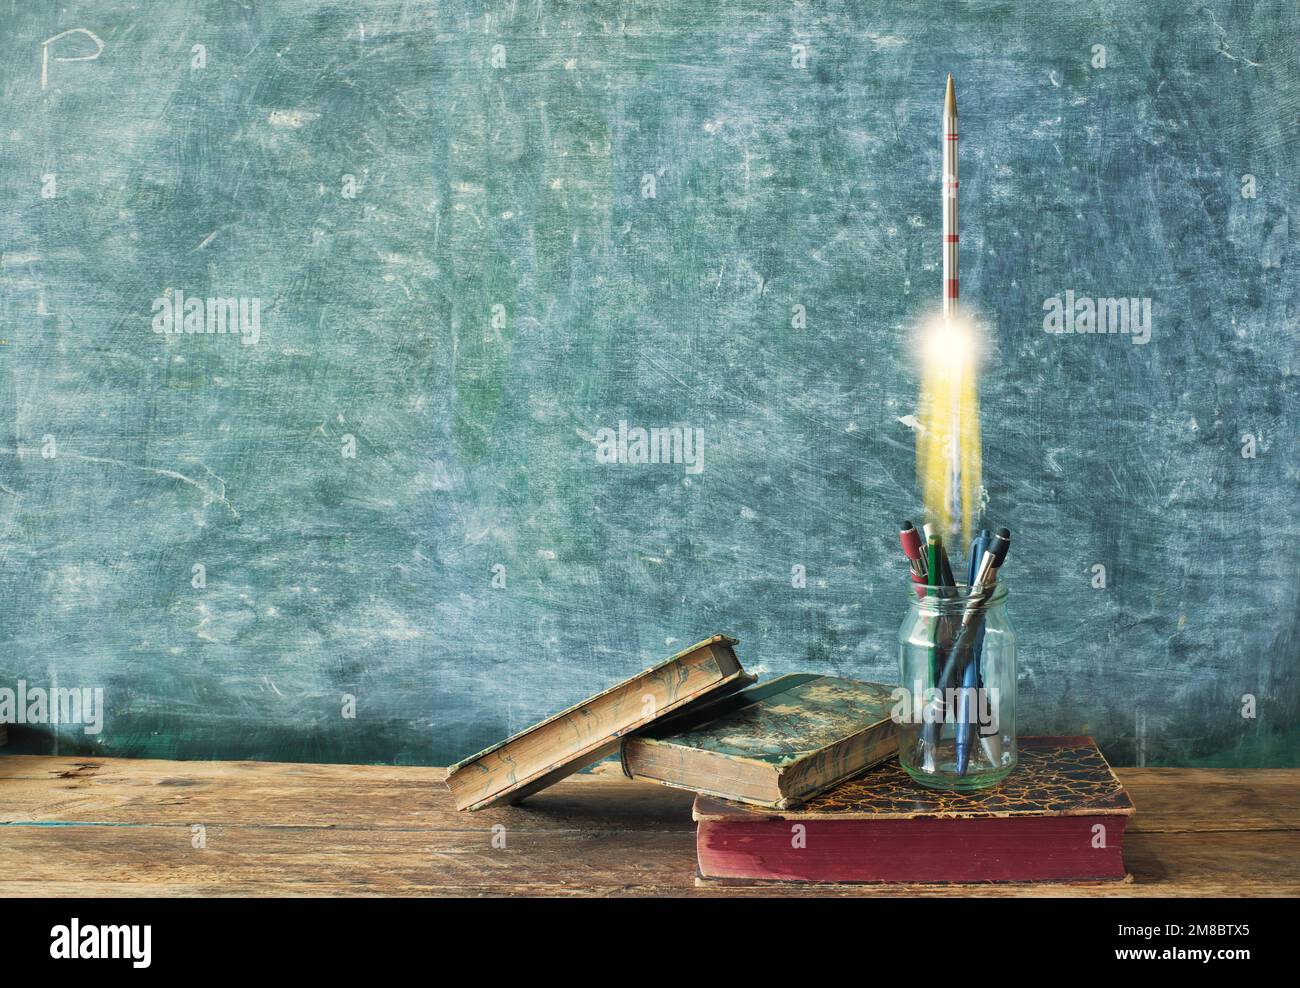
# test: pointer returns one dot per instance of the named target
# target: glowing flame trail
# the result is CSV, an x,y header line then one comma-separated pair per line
x,y
948,468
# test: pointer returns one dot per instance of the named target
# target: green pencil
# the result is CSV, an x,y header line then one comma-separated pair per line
x,y
933,556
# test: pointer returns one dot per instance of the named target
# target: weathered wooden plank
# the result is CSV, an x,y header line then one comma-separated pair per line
x,y
1181,800
161,792
123,790
314,861
44,767
121,827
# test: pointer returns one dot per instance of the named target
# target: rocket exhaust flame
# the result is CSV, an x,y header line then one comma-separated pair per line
x,y
948,442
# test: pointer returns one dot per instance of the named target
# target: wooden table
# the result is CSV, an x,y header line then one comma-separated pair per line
x,y
109,826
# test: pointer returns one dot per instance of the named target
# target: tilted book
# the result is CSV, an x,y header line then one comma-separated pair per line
x,y
1060,816
772,745
588,731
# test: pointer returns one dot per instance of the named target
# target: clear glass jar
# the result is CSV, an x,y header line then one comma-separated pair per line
x,y
957,704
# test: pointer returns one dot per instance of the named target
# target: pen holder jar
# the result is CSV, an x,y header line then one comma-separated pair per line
x,y
957,712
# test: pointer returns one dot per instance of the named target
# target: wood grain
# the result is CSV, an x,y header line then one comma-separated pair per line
x,y
123,827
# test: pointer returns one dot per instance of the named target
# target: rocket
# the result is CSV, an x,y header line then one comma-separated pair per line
x,y
951,241
948,440
950,236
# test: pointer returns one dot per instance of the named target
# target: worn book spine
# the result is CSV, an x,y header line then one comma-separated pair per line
x,y
993,849
832,765
754,781
707,751
588,731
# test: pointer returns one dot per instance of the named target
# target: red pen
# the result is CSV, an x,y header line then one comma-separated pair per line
x,y
911,541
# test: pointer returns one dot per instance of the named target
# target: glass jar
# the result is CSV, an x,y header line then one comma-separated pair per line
x,y
957,703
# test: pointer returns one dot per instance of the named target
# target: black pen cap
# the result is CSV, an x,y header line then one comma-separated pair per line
x,y
1000,545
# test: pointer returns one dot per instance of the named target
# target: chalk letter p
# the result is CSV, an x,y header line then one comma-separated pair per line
x,y
45,52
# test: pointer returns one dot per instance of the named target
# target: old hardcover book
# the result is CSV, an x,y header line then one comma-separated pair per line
x,y
773,745
1060,816
590,730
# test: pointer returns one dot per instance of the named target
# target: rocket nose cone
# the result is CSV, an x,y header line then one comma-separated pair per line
x,y
950,98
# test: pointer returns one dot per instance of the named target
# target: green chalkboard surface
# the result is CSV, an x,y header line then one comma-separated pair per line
x,y
327,330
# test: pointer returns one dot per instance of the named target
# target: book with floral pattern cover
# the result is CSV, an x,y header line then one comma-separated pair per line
x,y
1060,816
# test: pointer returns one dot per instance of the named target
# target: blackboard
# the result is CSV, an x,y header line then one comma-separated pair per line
x,y
468,237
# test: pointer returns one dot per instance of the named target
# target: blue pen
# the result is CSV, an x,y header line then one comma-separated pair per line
x,y
970,675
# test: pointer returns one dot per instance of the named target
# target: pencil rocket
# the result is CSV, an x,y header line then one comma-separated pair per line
x,y
951,242
950,235
948,439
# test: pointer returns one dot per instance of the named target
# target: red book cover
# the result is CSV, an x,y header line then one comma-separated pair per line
x,y
1060,816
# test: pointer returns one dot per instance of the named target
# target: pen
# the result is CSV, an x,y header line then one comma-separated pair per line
x,y
971,622
911,540
933,553
967,695
991,743
941,638
945,569
972,617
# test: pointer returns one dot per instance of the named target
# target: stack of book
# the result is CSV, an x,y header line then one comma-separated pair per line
x,y
796,781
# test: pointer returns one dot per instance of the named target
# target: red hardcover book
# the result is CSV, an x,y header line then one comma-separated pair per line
x,y
1060,816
